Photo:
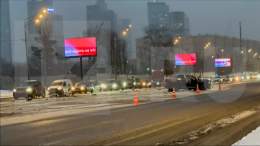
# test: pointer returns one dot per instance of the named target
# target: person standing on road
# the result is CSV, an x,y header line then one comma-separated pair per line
x,y
133,81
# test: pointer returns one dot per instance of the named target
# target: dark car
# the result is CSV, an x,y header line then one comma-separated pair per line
x,y
128,83
83,86
113,84
146,84
29,89
137,83
96,85
186,82
157,83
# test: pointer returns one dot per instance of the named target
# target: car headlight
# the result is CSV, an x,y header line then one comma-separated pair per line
x,y
124,84
72,88
230,79
48,88
242,78
143,84
29,89
82,88
149,84
237,78
158,83
258,76
114,85
59,88
134,83
247,77
14,90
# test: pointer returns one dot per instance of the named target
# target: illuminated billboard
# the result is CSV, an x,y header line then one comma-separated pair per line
x,y
222,62
80,47
185,59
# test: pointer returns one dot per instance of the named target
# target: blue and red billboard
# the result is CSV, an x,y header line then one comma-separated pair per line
x,y
185,59
223,62
80,47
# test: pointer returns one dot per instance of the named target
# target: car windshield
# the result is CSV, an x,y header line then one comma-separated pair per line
x,y
80,83
57,83
111,81
24,84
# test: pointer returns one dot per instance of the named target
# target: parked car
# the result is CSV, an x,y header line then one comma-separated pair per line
x,y
29,89
113,84
217,79
157,83
60,87
83,86
182,81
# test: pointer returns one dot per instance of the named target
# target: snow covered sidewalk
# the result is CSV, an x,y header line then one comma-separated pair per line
x,y
251,139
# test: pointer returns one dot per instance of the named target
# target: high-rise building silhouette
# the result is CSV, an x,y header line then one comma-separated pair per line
x,y
99,13
6,47
179,24
158,14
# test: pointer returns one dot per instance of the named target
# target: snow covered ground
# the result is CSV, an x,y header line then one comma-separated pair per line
x,y
251,139
6,93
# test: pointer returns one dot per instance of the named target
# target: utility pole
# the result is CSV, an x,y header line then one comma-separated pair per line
x,y
241,46
115,60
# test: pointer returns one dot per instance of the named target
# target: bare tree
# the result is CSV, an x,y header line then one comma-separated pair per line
x,y
47,51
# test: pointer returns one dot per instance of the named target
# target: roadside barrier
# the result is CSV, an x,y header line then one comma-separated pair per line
x,y
173,93
69,92
136,99
198,90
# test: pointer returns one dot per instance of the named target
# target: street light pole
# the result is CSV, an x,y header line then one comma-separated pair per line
x,y
115,60
28,72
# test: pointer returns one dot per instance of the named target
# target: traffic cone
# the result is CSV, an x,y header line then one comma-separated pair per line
x,y
173,93
219,86
198,90
136,100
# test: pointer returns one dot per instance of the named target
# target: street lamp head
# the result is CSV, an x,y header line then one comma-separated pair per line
x,y
37,21
41,16
127,29
222,50
124,32
212,56
130,26
44,11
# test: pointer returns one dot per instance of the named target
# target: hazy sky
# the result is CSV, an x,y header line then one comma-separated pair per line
x,y
206,17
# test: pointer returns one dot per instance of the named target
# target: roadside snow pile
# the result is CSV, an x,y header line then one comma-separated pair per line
x,y
251,139
5,93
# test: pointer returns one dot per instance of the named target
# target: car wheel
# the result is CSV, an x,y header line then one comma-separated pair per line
x,y
61,94
43,94
79,92
92,91
86,91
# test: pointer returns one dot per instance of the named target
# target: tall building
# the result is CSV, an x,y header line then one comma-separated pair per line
x,y
124,23
6,48
98,13
179,24
158,14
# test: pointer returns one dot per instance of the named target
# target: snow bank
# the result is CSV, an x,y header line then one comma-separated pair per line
x,y
251,139
6,93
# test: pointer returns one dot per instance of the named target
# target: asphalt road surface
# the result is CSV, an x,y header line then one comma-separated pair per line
x,y
137,125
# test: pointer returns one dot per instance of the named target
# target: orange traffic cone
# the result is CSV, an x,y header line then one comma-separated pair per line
x,y
198,90
136,100
173,93
219,86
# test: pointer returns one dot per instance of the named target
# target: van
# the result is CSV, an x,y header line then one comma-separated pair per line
x,y
60,87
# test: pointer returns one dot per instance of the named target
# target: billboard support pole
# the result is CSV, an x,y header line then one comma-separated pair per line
x,y
81,72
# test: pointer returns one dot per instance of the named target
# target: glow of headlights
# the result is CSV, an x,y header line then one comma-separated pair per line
x,y
29,90
258,76
82,88
247,77
237,78
114,85
59,88
134,83
158,83
242,78
73,88
143,84
124,84
14,90
48,88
